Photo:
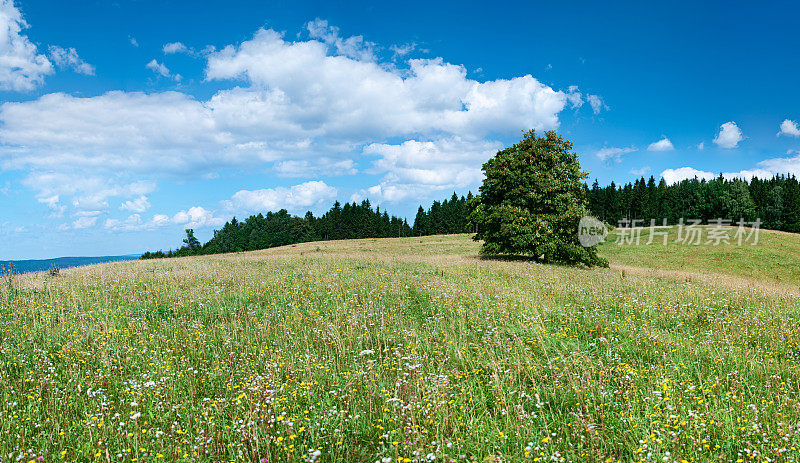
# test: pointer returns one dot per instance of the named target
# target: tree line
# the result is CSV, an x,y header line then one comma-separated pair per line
x,y
348,221
775,201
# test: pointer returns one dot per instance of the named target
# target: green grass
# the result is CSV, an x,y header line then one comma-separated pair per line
x,y
398,350
775,258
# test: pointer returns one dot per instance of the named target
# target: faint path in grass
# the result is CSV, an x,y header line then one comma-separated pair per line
x,y
720,280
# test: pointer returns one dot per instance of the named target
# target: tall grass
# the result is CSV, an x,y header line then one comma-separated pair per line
x,y
392,350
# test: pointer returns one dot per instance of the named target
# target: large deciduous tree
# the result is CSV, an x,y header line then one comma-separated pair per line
x,y
531,201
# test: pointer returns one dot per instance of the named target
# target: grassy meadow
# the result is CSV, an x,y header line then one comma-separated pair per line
x,y
406,350
774,260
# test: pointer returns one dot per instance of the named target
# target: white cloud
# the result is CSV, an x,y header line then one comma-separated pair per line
x,y
139,204
782,165
701,146
133,41
194,217
113,132
158,68
295,198
162,70
134,222
197,217
86,192
418,168
641,171
299,85
672,176
68,59
84,222
575,97
661,145
766,169
85,219
175,47
21,66
789,128
596,103
322,166
297,100
729,136
352,47
748,174
402,50
607,153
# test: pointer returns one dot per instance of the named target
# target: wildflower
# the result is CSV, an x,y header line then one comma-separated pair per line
x,y
366,352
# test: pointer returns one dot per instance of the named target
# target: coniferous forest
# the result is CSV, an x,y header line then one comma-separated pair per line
x,y
775,201
341,222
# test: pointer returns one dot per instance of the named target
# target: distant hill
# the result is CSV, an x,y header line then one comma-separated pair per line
x,y
38,265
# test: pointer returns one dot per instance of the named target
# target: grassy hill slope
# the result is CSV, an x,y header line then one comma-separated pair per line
x,y
774,260
410,349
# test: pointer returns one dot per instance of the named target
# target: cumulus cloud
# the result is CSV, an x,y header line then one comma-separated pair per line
x,y
575,97
789,128
661,145
22,67
300,85
84,222
729,136
175,47
295,100
197,217
354,47
132,223
609,153
790,165
67,58
139,204
115,131
194,217
672,176
764,169
296,198
85,192
418,168
162,70
399,51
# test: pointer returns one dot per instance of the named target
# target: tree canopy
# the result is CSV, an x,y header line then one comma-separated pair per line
x,y
348,221
774,201
531,201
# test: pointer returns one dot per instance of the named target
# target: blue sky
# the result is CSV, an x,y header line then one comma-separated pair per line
x,y
123,123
